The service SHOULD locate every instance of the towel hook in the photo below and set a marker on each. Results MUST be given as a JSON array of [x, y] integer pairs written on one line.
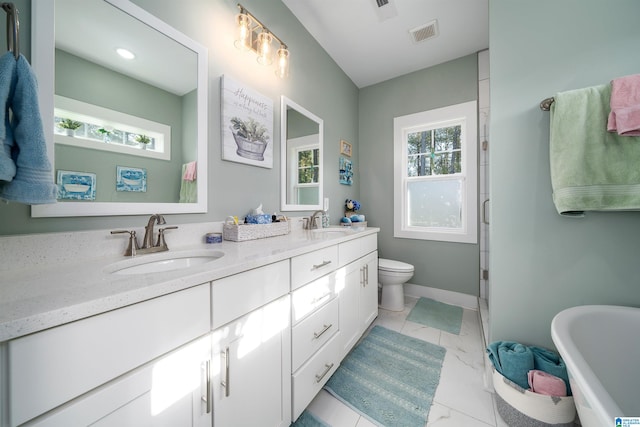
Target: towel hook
[[13, 29]]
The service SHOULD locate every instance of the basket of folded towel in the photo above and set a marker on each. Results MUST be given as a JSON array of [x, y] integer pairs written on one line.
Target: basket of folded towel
[[532, 386]]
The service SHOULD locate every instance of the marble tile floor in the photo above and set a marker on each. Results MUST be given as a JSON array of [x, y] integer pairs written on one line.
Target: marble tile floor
[[461, 398]]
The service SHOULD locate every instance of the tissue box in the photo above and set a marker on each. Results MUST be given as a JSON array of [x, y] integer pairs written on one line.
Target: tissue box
[[520, 407], [259, 219]]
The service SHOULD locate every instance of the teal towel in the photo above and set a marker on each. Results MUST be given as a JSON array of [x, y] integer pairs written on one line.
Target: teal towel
[[33, 182], [551, 363], [512, 360], [7, 83], [591, 169]]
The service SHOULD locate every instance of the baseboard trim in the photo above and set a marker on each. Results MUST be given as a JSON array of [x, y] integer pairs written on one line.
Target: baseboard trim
[[449, 297]]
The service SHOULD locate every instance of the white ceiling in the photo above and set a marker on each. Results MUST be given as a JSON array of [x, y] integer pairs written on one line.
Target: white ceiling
[[373, 44]]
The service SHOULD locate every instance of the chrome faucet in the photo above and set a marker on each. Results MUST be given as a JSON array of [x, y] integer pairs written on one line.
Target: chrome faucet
[[147, 241], [148, 246], [313, 221]]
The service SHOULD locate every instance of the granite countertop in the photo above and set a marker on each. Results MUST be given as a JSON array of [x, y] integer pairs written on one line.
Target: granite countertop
[[46, 295]]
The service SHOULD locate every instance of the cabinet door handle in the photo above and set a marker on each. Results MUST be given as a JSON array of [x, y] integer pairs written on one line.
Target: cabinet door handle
[[327, 367], [317, 266], [325, 328], [207, 394], [226, 382], [320, 298], [366, 274]]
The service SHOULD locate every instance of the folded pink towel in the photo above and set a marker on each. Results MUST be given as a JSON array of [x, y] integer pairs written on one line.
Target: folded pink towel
[[190, 172], [624, 117], [543, 383]]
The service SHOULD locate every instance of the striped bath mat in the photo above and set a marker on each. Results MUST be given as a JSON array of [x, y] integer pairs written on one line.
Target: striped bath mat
[[389, 378]]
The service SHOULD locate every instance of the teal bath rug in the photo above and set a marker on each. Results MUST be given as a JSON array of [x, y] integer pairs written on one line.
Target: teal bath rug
[[307, 419], [389, 378], [437, 315]]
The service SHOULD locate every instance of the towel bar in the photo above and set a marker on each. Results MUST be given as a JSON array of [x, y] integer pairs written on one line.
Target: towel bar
[[545, 105], [13, 25]]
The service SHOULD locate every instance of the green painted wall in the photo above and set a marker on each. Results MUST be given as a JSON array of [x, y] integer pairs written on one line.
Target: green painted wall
[[444, 265], [542, 263], [315, 82]]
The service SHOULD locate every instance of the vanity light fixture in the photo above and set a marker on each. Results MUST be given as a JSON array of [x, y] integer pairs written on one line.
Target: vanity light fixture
[[254, 35]]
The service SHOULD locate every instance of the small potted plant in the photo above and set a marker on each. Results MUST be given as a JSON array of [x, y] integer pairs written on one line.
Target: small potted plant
[[143, 140], [69, 126], [106, 133]]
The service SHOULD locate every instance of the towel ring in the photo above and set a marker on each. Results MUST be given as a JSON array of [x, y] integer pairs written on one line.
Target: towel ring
[[13, 29]]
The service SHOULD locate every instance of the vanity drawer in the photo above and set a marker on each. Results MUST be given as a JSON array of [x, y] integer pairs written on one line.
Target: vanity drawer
[[313, 375], [54, 366], [307, 299], [305, 268], [310, 334], [357, 248], [237, 295]]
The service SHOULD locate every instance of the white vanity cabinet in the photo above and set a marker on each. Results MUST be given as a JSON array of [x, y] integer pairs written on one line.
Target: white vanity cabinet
[[358, 283], [50, 368], [173, 390], [316, 325], [251, 367]]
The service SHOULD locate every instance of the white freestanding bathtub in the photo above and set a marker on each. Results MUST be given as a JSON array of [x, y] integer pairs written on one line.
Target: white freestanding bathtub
[[600, 345]]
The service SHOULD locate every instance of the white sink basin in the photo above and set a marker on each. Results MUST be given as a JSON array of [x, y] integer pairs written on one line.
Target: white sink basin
[[166, 261]]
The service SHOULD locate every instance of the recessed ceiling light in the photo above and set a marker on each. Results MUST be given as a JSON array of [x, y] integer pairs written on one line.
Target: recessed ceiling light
[[126, 54]]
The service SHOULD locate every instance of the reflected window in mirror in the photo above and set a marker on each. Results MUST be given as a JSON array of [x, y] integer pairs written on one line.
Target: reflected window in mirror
[[301, 157]]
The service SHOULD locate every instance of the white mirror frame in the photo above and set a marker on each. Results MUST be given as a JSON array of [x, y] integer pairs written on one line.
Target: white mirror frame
[[42, 59], [284, 206]]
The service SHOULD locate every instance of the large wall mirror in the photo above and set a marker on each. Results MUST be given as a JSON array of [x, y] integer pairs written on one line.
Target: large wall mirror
[[126, 136], [301, 162]]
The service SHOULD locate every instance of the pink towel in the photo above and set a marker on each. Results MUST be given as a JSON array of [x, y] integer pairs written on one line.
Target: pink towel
[[547, 384], [624, 117], [190, 172]]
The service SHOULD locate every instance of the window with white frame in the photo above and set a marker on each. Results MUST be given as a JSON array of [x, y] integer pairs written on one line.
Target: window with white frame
[[435, 174], [308, 173]]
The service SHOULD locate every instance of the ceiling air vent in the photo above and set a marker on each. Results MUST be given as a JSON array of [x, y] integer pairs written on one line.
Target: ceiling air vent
[[385, 9], [424, 32]]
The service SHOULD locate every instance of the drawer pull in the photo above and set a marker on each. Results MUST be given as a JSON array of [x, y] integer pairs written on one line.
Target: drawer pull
[[317, 266], [328, 367], [325, 328], [318, 299]]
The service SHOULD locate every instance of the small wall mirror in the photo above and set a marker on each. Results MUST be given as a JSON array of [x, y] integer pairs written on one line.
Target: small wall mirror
[[301, 157], [125, 135]]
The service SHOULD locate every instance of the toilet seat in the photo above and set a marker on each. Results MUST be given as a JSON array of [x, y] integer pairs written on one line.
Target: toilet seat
[[394, 266]]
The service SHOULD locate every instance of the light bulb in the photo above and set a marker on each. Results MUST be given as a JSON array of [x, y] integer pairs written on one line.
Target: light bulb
[[264, 48], [244, 32], [283, 62]]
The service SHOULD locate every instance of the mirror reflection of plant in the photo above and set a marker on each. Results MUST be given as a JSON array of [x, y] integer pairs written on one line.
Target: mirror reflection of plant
[[69, 124], [104, 131], [250, 129], [143, 139]]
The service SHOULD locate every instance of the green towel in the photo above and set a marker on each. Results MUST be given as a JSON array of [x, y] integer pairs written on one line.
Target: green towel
[[188, 189], [591, 169]]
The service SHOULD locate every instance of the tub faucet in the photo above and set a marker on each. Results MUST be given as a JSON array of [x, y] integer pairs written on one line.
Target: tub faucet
[[147, 241]]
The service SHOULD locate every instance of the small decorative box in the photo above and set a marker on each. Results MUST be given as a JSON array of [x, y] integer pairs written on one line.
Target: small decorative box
[[259, 219], [242, 232]]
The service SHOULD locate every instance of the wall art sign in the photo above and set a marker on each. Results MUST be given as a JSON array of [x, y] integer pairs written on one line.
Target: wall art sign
[[346, 171], [131, 179], [76, 185], [247, 124]]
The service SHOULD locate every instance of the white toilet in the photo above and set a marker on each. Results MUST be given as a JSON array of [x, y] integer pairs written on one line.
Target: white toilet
[[392, 276]]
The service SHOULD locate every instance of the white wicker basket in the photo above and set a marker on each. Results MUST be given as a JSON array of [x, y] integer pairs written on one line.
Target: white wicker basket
[[242, 232], [523, 408]]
